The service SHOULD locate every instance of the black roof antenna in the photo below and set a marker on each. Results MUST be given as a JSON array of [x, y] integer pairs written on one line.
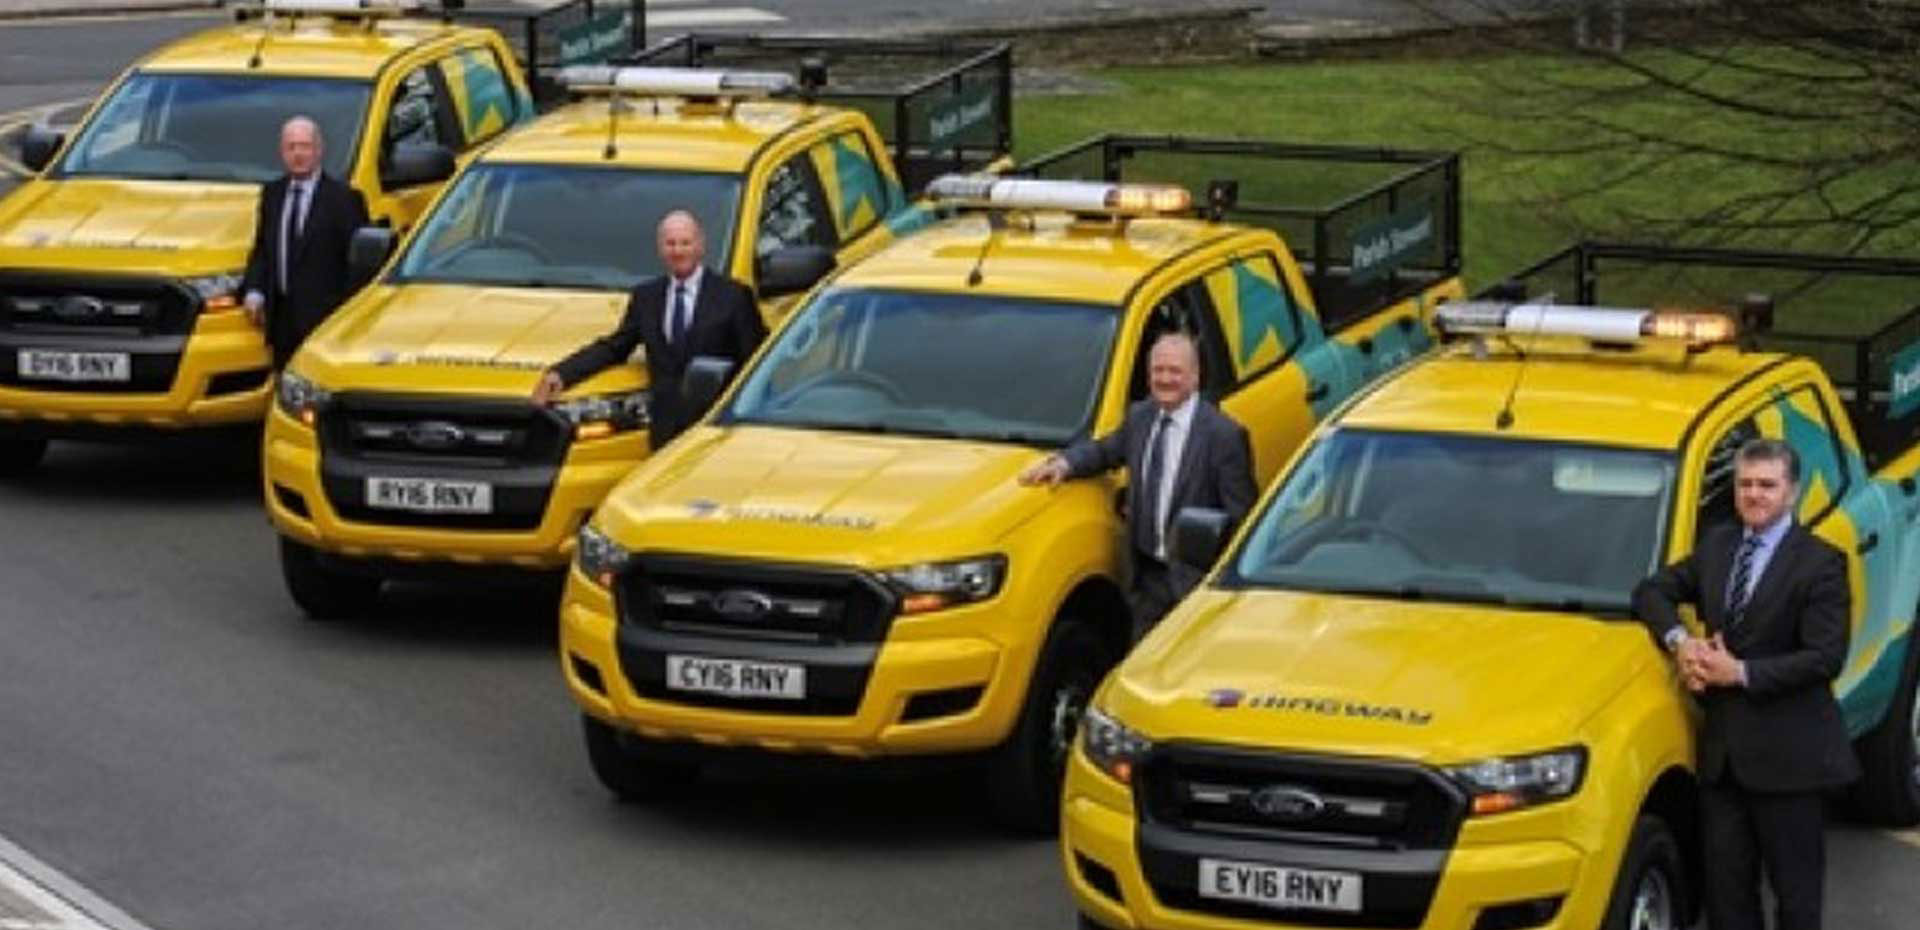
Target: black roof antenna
[[996, 221], [1504, 418], [613, 122], [266, 28]]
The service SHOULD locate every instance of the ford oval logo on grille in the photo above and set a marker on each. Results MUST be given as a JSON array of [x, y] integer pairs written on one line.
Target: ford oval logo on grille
[[1287, 803], [78, 307], [741, 605], [435, 434]]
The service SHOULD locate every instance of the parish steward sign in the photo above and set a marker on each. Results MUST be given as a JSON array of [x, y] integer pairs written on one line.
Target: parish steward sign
[[1384, 245]]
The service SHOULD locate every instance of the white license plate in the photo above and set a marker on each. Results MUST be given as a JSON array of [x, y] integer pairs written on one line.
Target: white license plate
[[430, 495], [737, 677], [1279, 886], [49, 365]]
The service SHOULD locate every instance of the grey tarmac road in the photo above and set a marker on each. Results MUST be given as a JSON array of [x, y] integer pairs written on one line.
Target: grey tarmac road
[[176, 738]]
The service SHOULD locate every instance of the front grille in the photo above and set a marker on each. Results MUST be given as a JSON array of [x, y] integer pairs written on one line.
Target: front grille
[[1248, 794], [830, 621], [148, 319], [513, 447], [756, 601], [95, 305], [1391, 823]]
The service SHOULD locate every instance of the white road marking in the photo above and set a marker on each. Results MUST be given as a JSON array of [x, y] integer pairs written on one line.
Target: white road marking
[[35, 896], [1909, 837], [712, 16]]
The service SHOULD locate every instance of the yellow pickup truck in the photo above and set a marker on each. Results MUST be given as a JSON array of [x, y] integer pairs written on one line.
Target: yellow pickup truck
[[838, 560], [119, 260], [1412, 693], [403, 443]]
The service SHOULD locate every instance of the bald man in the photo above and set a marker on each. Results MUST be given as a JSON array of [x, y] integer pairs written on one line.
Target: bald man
[[690, 311], [297, 271], [1179, 450]]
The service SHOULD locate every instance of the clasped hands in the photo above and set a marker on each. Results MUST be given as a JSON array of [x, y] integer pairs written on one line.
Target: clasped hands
[[1705, 662]]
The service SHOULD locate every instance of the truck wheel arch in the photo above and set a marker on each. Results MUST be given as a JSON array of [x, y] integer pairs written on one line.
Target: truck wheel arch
[[1674, 798]]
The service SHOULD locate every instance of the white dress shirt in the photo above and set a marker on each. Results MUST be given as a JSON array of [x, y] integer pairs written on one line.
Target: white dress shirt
[[1179, 429], [691, 284]]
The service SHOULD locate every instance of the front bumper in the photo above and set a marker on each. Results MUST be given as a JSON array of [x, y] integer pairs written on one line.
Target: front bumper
[[299, 507], [220, 376], [935, 684], [1102, 848]]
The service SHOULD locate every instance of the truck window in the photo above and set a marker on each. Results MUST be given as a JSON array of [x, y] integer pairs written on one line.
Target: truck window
[[418, 115], [483, 104], [1187, 309], [1408, 514], [1259, 319], [794, 211], [845, 166], [1799, 417], [182, 126]]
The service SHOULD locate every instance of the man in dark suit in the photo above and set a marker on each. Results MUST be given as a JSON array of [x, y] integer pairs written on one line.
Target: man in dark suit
[[1179, 451], [1775, 602], [690, 311], [297, 271]]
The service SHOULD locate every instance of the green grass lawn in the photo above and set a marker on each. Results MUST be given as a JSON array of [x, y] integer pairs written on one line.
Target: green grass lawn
[[1519, 203]]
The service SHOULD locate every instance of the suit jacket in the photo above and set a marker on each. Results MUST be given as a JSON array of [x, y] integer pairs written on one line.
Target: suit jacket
[[726, 323], [317, 279], [1216, 470], [1782, 732]]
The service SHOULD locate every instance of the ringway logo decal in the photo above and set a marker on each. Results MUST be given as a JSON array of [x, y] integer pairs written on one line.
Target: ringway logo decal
[[1229, 698]]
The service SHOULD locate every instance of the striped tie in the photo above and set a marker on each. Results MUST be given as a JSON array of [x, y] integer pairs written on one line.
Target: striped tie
[[1742, 574]]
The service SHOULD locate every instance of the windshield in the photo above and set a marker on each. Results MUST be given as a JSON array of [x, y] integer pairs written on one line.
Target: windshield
[[959, 365], [206, 127], [563, 225], [1463, 518]]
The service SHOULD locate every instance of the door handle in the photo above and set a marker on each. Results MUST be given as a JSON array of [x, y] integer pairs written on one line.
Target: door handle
[[1866, 545], [1318, 391]]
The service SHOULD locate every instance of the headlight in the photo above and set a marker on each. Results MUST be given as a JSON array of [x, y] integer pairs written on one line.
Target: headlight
[[1111, 745], [1500, 785], [939, 585], [600, 557], [604, 414], [299, 397], [216, 291]]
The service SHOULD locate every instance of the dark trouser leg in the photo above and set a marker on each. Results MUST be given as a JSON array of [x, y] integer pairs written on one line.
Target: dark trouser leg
[[1732, 857], [1793, 844], [1152, 595]]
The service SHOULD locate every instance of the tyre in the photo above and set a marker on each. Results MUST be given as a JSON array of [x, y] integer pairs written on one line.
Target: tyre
[[632, 777], [324, 593], [1027, 769], [1888, 792], [20, 456], [1650, 893]]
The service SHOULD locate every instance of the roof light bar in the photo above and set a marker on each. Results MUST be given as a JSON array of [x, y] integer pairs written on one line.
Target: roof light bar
[[1077, 196], [1602, 324], [353, 7], [676, 82]]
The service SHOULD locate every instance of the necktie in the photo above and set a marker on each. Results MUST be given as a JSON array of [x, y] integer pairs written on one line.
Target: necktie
[[677, 326], [1742, 574], [1147, 528], [292, 221]]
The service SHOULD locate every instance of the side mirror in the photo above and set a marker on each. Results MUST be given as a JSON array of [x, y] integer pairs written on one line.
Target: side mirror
[[38, 145], [366, 252], [792, 269], [1199, 533], [705, 378], [411, 165]]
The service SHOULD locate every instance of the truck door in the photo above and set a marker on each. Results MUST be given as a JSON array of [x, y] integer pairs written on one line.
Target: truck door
[[1837, 504]]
